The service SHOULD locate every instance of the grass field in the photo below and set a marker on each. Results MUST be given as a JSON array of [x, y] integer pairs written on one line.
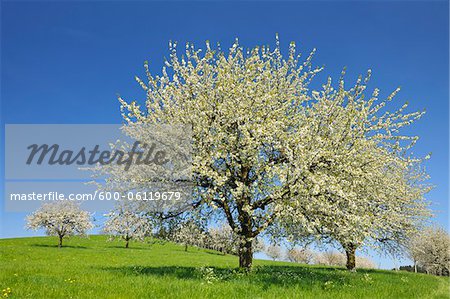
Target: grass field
[[95, 268]]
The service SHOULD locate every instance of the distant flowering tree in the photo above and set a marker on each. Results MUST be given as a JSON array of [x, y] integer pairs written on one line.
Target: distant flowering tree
[[189, 233], [274, 252], [303, 255], [330, 258], [365, 263], [258, 245], [363, 189], [430, 250], [62, 219], [223, 239], [128, 224]]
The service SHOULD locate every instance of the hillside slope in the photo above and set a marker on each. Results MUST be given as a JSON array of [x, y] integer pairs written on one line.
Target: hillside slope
[[95, 268]]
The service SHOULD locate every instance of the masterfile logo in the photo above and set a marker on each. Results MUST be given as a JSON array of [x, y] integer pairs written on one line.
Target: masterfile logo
[[97, 163]]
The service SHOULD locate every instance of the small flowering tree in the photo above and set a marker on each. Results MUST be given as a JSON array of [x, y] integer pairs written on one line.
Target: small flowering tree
[[223, 239], [330, 258], [126, 223], [430, 249], [62, 219], [274, 252], [296, 255], [365, 263], [189, 233]]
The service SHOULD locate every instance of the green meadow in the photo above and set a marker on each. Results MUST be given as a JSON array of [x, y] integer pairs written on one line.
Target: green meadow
[[95, 268]]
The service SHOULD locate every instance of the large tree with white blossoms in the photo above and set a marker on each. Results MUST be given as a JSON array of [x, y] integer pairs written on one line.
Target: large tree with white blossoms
[[331, 165], [62, 219], [247, 114], [127, 223], [363, 189]]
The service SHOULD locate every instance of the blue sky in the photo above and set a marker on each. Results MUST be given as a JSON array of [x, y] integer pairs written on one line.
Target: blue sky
[[64, 62]]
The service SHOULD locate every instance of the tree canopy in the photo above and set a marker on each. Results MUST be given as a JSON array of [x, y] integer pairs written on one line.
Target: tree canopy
[[270, 153]]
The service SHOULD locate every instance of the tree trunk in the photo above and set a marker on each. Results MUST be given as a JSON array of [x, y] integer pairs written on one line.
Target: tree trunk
[[245, 255], [185, 247], [127, 243], [350, 250], [415, 267], [60, 241]]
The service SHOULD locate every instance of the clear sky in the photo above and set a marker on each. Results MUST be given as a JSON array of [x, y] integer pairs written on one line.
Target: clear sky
[[64, 62]]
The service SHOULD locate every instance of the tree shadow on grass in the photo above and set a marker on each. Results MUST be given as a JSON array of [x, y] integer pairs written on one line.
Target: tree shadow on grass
[[56, 246], [263, 276], [129, 248], [217, 253], [170, 271]]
